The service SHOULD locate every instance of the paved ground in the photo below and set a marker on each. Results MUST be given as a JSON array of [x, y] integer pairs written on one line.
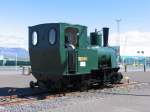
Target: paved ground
[[14, 80], [136, 99], [139, 76]]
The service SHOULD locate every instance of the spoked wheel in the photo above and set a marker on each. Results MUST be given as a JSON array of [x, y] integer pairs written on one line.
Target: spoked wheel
[[115, 79], [119, 78], [84, 86], [60, 88]]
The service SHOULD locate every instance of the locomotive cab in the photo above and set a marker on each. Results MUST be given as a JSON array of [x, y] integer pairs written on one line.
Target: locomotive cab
[[44, 50]]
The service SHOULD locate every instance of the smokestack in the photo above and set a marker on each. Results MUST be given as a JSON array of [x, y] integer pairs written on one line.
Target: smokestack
[[105, 36]]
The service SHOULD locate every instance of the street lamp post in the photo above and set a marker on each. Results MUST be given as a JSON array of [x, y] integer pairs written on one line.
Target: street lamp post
[[118, 29], [118, 38]]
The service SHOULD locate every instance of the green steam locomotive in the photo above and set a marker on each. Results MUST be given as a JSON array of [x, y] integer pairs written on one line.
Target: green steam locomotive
[[62, 55]]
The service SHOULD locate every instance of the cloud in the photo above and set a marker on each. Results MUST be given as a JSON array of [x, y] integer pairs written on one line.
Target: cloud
[[13, 42], [131, 42]]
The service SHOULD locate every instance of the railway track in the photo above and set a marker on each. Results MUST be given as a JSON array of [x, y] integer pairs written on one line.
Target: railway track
[[23, 98], [43, 95]]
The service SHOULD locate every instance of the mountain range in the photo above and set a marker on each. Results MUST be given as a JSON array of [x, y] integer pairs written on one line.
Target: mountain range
[[13, 53]]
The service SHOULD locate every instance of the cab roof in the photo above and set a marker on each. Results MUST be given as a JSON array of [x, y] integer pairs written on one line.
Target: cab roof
[[60, 23]]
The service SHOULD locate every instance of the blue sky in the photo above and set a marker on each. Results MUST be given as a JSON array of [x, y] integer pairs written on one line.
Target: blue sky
[[17, 15]]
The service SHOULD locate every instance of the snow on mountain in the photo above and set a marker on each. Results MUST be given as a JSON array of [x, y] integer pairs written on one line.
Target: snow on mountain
[[12, 53]]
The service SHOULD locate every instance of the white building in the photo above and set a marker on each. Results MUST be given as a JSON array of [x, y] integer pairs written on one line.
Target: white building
[[132, 43]]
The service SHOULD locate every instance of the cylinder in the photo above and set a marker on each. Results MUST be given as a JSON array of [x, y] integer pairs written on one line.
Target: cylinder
[[105, 36]]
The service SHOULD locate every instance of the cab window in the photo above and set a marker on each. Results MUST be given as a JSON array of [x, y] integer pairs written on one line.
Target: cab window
[[34, 38], [71, 36], [52, 36]]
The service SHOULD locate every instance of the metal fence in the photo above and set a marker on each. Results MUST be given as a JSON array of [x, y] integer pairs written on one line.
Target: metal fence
[[24, 70], [134, 68]]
